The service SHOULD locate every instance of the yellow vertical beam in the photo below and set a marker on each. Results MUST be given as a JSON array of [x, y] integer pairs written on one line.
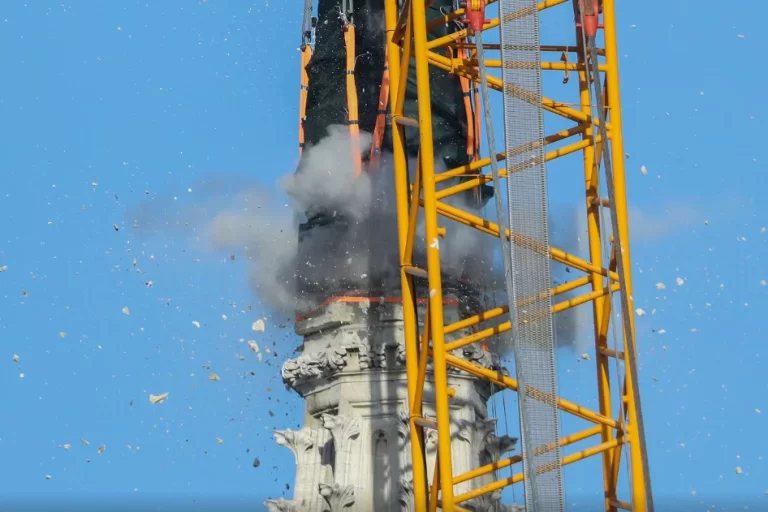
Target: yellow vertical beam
[[596, 258], [409, 300], [639, 498], [427, 168]]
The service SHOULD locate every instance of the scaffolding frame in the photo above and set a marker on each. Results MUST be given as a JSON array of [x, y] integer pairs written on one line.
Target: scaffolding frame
[[407, 27]]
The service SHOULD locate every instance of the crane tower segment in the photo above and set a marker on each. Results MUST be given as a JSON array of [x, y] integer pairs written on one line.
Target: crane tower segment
[[615, 430]]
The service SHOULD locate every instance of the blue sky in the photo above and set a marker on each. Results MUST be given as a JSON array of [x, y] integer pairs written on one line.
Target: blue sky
[[112, 108]]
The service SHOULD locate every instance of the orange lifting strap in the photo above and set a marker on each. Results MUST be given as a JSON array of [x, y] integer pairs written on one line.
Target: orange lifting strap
[[306, 55], [381, 117], [469, 89], [354, 123]]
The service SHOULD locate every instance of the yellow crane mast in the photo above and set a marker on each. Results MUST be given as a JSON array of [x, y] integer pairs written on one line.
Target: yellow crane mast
[[616, 421]]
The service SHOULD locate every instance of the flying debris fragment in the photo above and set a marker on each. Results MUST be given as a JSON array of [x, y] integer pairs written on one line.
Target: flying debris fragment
[[3, 268], [643, 170], [254, 346], [660, 286], [640, 312], [738, 470], [679, 281], [196, 323], [157, 399], [258, 325], [213, 376], [126, 311], [219, 440], [16, 358]]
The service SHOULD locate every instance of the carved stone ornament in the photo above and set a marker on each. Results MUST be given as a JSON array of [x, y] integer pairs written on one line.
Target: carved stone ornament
[[484, 503], [405, 496], [400, 357], [314, 365], [298, 442], [337, 497], [497, 446], [373, 357], [403, 428], [283, 505], [342, 428], [481, 358]]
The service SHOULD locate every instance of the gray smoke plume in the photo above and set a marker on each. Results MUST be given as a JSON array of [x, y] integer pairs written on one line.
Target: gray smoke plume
[[349, 242]]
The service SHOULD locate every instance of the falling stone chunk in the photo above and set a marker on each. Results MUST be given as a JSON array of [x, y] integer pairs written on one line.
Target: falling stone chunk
[[196, 323], [585, 356], [85, 441], [256, 462], [640, 312], [739, 470], [63, 334], [67, 446], [213, 376], [3, 268], [47, 477], [126, 311], [101, 449], [158, 399], [258, 325], [219, 440], [643, 170], [679, 281], [16, 358], [660, 286], [116, 227], [254, 346]]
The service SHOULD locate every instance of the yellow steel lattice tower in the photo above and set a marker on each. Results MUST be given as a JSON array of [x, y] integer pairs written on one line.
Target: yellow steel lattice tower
[[614, 430]]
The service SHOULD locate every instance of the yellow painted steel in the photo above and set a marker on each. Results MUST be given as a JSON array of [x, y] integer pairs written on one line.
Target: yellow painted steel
[[407, 42]]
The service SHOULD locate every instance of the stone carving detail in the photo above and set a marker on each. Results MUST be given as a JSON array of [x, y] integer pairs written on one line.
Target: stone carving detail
[[342, 428], [484, 503], [482, 358], [490, 446], [373, 357], [403, 428], [400, 357], [430, 440], [337, 497], [283, 505], [497, 446], [465, 430], [512, 508], [314, 365], [298, 442], [405, 496]]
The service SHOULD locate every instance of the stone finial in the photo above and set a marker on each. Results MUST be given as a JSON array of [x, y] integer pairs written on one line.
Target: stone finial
[[342, 428], [298, 442], [338, 497], [282, 505], [484, 503]]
